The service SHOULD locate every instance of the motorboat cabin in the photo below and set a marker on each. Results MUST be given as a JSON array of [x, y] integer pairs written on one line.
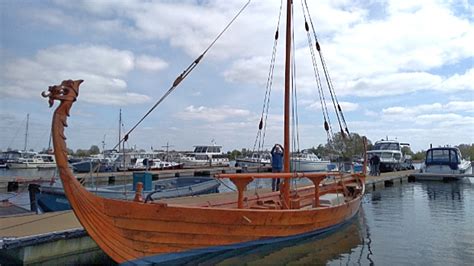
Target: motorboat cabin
[[445, 160]]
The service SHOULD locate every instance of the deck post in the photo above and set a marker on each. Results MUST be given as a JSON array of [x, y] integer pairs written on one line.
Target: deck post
[[316, 181], [138, 192], [241, 184]]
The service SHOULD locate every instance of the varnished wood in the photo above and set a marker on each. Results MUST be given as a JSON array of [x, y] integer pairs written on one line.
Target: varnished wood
[[128, 230]]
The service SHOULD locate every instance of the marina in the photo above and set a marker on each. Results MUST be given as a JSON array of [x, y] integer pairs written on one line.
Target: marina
[[62, 230], [296, 133]]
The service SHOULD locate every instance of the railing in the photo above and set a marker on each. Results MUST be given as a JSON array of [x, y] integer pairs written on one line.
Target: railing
[[241, 181]]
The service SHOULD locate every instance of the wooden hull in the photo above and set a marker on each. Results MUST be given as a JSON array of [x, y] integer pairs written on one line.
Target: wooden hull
[[130, 230]]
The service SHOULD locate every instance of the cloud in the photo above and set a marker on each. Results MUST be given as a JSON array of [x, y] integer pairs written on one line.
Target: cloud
[[346, 106], [409, 112], [103, 68], [210, 114], [149, 63]]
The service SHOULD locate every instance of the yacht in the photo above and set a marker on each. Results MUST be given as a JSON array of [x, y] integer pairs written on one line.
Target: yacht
[[37, 161], [306, 161], [152, 161], [390, 154], [255, 159], [205, 156], [444, 163]]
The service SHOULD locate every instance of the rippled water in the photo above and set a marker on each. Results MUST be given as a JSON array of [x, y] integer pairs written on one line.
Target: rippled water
[[429, 223], [421, 223]]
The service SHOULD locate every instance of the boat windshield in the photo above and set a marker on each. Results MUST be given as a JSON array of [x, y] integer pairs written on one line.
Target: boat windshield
[[441, 156], [393, 146]]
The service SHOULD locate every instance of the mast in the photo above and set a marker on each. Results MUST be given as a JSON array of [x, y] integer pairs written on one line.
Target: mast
[[286, 154], [120, 132], [26, 132]]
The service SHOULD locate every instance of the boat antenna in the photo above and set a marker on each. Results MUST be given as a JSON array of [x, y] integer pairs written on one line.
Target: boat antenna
[[183, 75], [26, 132]]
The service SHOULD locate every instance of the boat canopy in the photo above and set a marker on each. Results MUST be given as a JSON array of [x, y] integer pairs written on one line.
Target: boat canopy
[[443, 156]]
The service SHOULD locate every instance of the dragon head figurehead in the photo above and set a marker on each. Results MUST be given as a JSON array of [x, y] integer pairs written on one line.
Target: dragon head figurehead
[[68, 90]]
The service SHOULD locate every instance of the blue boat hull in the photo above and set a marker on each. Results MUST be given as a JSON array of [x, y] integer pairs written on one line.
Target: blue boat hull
[[51, 200]]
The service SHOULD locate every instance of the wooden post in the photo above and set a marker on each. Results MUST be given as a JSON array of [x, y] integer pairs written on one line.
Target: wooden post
[[286, 154], [241, 184], [316, 181], [138, 192]]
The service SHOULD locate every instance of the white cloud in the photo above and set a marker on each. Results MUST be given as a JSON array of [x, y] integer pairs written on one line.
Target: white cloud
[[149, 63], [102, 68], [346, 106], [410, 112], [389, 54], [210, 114]]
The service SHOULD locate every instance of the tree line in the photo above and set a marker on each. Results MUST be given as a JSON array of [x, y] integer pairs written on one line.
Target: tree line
[[348, 149]]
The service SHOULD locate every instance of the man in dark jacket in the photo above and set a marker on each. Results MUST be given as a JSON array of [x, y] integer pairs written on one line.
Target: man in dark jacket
[[376, 162], [277, 165]]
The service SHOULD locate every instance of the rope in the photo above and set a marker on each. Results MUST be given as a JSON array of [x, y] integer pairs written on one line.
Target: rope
[[183, 75], [322, 98], [337, 106], [268, 88], [16, 133], [262, 126]]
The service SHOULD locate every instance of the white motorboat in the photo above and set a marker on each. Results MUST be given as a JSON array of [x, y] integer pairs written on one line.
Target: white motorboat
[[390, 155], [444, 163], [37, 161], [256, 159], [205, 156], [306, 161], [153, 164]]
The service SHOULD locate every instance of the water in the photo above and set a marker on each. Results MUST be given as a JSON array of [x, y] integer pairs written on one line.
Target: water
[[427, 223]]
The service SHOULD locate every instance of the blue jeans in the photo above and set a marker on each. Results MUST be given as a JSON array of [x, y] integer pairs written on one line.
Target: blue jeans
[[276, 181]]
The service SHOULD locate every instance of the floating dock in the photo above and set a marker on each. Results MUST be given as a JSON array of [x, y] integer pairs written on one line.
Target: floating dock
[[112, 178], [58, 237]]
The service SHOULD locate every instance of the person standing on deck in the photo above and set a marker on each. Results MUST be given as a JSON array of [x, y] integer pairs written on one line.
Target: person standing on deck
[[277, 165], [376, 164], [372, 166]]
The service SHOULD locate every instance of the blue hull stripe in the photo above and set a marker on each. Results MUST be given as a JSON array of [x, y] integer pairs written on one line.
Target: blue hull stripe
[[177, 258]]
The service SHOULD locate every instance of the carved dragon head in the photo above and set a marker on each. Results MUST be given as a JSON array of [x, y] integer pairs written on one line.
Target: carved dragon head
[[68, 90]]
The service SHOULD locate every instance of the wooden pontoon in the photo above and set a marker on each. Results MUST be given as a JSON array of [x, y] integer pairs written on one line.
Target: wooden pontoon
[[128, 230]]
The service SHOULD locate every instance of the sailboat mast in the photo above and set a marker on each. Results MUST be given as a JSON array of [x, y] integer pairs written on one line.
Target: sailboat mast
[[26, 132], [286, 155], [120, 128]]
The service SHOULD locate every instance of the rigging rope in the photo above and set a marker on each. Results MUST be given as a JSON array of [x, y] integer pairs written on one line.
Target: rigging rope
[[261, 133], [322, 97], [337, 106], [295, 135], [183, 75]]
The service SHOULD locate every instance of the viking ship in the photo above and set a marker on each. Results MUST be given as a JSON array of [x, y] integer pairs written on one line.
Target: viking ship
[[129, 230]]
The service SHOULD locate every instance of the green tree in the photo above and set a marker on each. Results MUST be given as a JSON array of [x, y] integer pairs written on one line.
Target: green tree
[[407, 150], [82, 153], [94, 149], [70, 151], [419, 156], [347, 148], [467, 151], [234, 154]]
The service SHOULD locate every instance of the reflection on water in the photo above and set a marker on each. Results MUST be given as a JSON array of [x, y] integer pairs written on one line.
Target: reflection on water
[[427, 223], [417, 223]]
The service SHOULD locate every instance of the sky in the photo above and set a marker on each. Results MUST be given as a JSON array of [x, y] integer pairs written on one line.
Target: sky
[[401, 69]]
